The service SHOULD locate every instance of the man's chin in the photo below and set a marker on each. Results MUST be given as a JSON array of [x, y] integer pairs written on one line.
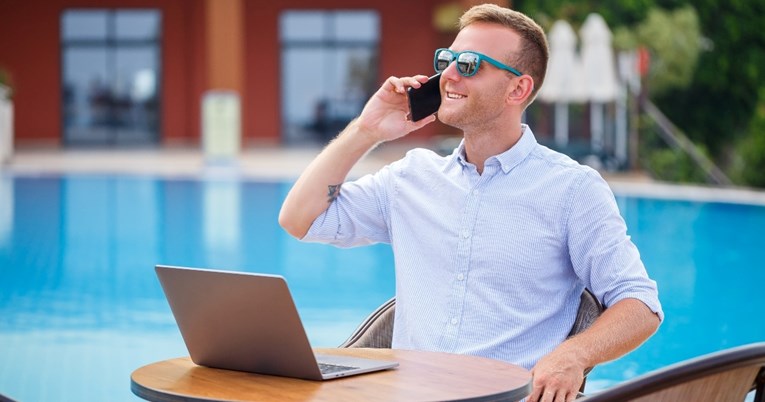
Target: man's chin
[[448, 117]]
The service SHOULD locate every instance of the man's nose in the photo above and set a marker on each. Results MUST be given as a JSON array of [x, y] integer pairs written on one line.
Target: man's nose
[[451, 73]]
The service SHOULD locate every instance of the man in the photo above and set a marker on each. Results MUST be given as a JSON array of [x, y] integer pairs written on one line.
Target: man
[[494, 243]]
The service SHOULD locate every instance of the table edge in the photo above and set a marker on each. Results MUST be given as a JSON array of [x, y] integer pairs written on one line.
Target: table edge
[[150, 394]]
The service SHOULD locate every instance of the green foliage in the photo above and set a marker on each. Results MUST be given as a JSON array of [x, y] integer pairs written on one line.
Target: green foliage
[[716, 109], [711, 98], [673, 36], [625, 38], [621, 12], [674, 39], [752, 151], [666, 163], [675, 42], [750, 169], [675, 166], [617, 13]]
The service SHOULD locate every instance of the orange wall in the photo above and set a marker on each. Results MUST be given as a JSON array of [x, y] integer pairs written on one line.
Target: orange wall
[[29, 50], [183, 71], [225, 44]]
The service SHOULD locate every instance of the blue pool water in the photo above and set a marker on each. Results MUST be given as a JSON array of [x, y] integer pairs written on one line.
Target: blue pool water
[[80, 306]]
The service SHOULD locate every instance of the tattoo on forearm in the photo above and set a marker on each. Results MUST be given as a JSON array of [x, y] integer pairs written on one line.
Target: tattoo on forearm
[[333, 192]]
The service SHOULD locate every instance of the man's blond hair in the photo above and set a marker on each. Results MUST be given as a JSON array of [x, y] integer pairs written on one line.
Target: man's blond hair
[[534, 53]]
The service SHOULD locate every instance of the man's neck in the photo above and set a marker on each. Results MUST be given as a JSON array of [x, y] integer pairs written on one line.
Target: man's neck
[[482, 145]]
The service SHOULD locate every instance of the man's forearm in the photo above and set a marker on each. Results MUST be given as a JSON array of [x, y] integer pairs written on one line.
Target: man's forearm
[[621, 328], [320, 183], [382, 119]]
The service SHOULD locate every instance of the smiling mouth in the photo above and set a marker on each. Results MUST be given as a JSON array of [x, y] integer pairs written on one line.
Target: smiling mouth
[[452, 95]]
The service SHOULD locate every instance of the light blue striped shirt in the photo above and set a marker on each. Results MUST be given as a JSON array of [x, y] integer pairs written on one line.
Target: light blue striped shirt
[[491, 264]]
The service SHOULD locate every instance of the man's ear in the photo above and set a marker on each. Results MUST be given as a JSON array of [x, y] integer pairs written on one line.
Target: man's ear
[[521, 90]]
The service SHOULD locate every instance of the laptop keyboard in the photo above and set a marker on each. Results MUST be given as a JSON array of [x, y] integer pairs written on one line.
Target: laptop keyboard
[[327, 368]]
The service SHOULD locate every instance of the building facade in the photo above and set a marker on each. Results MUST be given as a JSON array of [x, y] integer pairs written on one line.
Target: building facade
[[137, 72]]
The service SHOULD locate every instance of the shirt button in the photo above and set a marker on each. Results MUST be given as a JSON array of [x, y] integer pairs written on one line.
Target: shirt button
[[454, 321], [460, 277], [476, 193], [466, 234]]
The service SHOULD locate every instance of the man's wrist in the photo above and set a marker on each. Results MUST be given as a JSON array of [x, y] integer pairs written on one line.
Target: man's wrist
[[580, 354], [364, 136]]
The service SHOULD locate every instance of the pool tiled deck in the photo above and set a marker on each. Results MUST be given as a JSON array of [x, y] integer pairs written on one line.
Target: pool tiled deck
[[284, 163]]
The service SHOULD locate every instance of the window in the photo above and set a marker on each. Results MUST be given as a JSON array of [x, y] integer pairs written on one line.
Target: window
[[329, 70], [110, 76]]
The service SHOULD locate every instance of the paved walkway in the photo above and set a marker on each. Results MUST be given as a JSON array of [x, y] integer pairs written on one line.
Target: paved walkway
[[278, 163], [271, 163]]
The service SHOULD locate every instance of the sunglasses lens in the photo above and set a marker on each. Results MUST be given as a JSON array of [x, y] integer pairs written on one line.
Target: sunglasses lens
[[467, 64], [443, 59]]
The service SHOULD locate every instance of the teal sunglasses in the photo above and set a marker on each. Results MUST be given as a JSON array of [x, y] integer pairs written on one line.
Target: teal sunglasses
[[467, 62]]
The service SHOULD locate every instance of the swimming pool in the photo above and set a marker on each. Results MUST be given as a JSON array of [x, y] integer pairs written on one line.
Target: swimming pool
[[80, 306]]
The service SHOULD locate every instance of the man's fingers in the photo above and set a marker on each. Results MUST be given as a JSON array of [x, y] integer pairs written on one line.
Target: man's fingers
[[567, 396], [415, 81], [394, 84], [548, 396], [535, 394], [420, 79], [550, 390], [399, 84], [416, 125]]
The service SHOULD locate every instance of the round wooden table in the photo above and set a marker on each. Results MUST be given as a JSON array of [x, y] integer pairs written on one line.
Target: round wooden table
[[420, 376]]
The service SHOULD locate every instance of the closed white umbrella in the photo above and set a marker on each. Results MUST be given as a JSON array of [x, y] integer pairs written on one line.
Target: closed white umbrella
[[598, 60], [600, 72], [563, 82]]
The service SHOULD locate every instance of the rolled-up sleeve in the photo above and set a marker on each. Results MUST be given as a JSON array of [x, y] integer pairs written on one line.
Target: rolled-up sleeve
[[359, 216], [602, 254]]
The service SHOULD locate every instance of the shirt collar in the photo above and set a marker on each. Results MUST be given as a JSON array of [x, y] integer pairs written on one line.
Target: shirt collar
[[508, 159]]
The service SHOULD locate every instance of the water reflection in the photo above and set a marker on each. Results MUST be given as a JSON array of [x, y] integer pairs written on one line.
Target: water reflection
[[6, 209], [222, 220]]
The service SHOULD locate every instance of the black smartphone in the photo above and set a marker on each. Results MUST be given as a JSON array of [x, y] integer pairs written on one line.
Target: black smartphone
[[426, 99]]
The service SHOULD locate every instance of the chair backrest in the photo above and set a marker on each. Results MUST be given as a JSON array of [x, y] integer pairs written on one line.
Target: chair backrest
[[589, 311], [725, 376], [4, 398], [376, 331]]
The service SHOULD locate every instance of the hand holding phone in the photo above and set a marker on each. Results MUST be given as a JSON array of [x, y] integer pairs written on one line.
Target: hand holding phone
[[425, 100]]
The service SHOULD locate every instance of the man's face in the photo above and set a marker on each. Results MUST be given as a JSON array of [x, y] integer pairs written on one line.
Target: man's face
[[469, 102]]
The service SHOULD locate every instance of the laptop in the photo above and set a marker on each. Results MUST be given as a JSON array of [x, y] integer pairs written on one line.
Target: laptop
[[248, 322]]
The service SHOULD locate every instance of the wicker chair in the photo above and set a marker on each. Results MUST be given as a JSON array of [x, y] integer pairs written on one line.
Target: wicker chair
[[376, 330], [4, 398], [726, 376]]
